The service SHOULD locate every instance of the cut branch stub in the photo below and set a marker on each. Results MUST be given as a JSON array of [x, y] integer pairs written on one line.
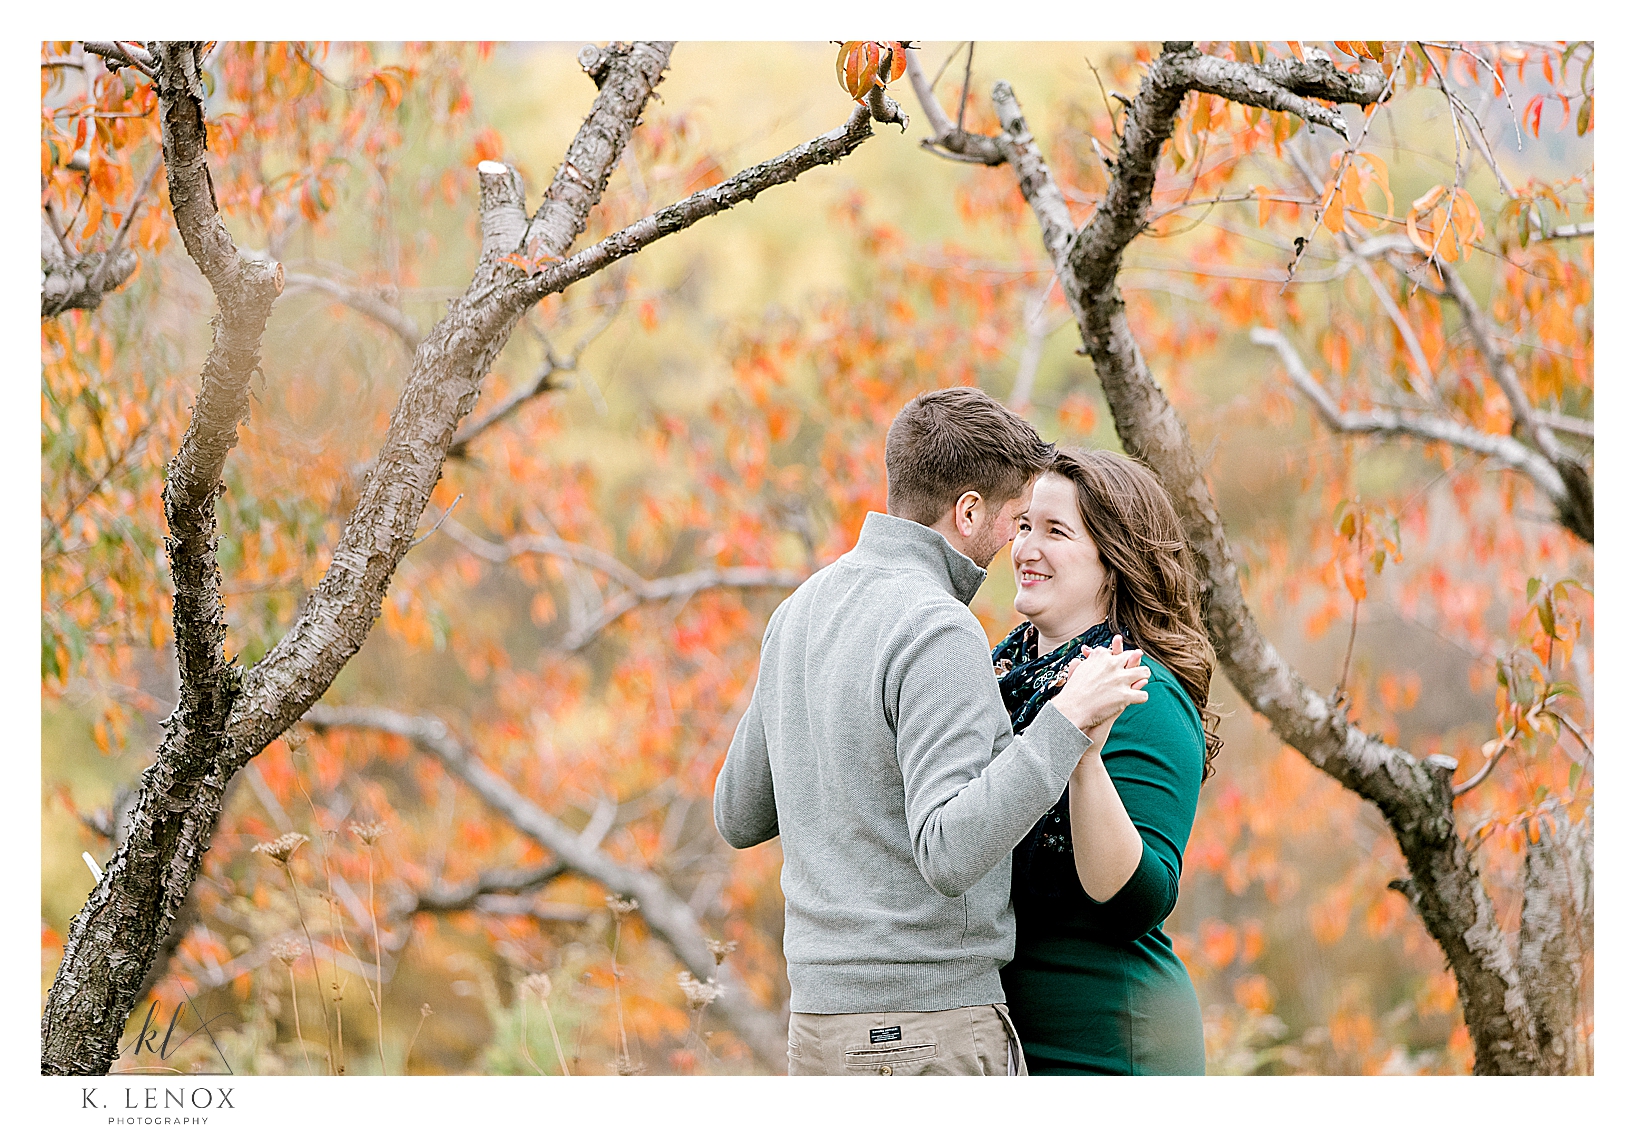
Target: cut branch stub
[[500, 208]]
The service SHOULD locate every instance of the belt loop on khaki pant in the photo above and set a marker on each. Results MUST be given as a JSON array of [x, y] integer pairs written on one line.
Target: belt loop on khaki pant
[[1015, 1064]]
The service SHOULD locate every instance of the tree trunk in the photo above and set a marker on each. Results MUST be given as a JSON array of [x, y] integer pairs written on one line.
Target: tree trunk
[[1510, 1013]]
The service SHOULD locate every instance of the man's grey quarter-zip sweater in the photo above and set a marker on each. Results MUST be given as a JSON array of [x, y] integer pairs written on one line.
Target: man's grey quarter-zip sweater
[[877, 746]]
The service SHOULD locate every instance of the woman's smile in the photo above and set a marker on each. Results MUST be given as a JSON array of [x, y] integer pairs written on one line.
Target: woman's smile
[[1060, 580]]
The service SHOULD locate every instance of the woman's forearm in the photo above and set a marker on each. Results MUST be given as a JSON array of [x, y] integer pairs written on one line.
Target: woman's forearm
[[1106, 846]]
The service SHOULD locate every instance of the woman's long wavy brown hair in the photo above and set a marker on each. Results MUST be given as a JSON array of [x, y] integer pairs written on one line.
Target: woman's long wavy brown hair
[[1156, 598]]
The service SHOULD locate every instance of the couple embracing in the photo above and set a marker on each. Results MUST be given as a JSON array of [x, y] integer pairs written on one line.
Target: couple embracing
[[980, 847]]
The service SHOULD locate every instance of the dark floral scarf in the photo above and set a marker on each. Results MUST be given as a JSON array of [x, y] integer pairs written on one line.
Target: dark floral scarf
[[1042, 865], [1026, 681]]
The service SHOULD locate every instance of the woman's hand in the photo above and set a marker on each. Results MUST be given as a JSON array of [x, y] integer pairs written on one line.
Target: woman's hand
[[1101, 683], [1098, 734]]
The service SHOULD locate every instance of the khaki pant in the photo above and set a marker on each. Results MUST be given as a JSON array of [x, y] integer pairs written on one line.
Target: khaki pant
[[977, 1040]]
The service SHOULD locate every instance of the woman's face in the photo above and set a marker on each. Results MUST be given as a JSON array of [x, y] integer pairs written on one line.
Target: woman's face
[[1059, 574]]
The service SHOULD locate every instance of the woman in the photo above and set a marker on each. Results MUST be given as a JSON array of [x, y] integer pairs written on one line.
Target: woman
[[1095, 987]]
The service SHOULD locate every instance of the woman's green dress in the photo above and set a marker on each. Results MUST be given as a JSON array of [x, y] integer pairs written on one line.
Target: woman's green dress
[[1096, 988]]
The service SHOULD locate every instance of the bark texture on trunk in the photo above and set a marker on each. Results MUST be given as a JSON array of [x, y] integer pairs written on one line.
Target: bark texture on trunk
[[120, 931]]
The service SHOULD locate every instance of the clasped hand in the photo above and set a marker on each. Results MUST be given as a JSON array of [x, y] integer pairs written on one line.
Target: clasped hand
[[1101, 683]]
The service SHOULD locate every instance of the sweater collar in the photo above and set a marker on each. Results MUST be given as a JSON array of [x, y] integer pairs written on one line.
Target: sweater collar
[[893, 541]]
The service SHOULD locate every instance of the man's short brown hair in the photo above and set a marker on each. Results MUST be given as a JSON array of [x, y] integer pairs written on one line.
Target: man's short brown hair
[[946, 443]]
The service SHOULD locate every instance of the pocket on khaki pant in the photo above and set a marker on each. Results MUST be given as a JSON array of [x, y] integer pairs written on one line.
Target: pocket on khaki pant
[[900, 1059]]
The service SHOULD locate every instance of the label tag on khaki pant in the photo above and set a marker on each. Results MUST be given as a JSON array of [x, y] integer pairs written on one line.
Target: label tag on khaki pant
[[882, 1035]]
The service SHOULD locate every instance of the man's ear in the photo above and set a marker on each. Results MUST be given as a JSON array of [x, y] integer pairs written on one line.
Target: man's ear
[[965, 512]]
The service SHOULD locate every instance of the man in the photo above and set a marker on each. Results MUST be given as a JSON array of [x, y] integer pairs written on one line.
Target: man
[[877, 746]]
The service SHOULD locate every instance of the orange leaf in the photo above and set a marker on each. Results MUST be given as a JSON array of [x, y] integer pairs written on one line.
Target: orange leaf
[[1428, 200], [899, 58], [856, 67], [488, 145], [1220, 942], [1334, 215], [1254, 992], [1415, 213], [1535, 110], [1380, 173]]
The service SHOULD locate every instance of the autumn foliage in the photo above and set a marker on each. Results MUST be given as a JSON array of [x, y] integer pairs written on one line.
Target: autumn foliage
[[685, 432]]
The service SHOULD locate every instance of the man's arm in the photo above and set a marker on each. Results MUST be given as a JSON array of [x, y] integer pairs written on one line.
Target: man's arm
[[966, 807], [745, 812]]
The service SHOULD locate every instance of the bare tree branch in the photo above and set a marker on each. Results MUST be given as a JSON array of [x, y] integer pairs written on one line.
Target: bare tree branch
[[1569, 230], [1566, 483], [69, 282], [1033, 346], [1405, 331], [443, 898], [544, 545], [1278, 84], [544, 381], [670, 918], [628, 73], [1575, 500], [679, 588], [66, 282], [1566, 424], [946, 138], [1432, 428], [1469, 784], [745, 186], [636, 590], [371, 303], [128, 53], [97, 281]]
